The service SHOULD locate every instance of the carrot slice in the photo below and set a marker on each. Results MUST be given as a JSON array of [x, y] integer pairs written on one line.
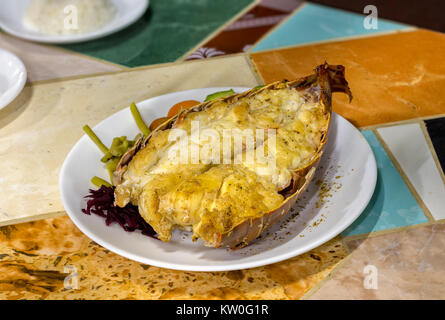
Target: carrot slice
[[157, 122], [187, 104]]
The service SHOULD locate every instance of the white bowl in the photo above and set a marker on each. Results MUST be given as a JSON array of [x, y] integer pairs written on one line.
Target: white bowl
[[13, 11]]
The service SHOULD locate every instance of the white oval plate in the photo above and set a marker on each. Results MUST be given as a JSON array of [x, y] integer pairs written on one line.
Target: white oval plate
[[12, 77], [12, 12], [348, 165]]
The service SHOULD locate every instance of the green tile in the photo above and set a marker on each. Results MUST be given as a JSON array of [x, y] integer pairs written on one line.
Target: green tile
[[167, 31]]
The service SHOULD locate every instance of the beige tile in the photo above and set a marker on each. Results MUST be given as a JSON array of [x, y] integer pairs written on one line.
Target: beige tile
[[39, 128], [45, 62], [410, 265]]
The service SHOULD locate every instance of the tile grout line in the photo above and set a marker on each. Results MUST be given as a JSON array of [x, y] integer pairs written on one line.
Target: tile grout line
[[254, 65], [129, 70], [278, 25], [432, 150], [92, 75], [71, 78], [85, 56], [379, 233], [405, 178], [254, 70], [27, 219], [54, 47], [218, 30], [402, 122], [341, 39], [329, 276]]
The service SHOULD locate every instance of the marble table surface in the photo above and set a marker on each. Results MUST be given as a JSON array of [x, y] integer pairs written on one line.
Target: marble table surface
[[393, 251]]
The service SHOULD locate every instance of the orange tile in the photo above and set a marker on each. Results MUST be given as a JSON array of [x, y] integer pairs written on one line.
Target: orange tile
[[393, 77]]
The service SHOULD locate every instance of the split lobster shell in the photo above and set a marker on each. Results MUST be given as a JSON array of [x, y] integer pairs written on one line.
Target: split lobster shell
[[318, 88]]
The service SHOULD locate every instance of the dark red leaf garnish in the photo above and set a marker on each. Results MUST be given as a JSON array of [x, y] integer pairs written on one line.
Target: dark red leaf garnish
[[101, 203]]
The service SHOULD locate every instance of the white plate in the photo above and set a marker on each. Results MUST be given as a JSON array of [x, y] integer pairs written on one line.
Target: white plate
[[348, 164], [12, 12], [12, 77]]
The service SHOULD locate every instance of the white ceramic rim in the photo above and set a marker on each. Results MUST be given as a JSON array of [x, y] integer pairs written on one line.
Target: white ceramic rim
[[13, 90], [67, 39]]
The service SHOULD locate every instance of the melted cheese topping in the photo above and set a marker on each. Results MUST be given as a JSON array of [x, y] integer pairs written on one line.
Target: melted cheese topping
[[212, 197]]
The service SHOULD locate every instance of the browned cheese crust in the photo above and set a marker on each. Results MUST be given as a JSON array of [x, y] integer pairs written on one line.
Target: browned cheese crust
[[318, 88]]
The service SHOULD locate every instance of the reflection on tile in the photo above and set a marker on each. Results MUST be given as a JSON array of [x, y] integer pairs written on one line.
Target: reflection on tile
[[41, 255], [409, 265], [39, 128], [393, 77], [43, 62], [392, 205], [245, 31], [436, 131], [408, 145], [316, 23], [167, 31]]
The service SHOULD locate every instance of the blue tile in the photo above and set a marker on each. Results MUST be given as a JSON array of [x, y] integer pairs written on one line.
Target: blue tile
[[392, 205], [316, 23]]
